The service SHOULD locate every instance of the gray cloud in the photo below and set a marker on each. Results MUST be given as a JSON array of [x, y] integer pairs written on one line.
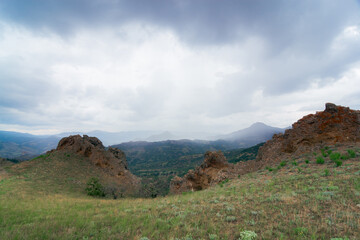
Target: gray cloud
[[84, 75]]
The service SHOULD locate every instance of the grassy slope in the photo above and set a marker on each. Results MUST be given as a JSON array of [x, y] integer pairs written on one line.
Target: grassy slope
[[293, 202]]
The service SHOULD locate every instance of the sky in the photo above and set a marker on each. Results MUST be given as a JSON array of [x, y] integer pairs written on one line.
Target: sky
[[174, 65]]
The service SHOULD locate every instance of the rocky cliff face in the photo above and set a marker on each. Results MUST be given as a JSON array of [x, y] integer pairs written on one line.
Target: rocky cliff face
[[214, 169], [334, 125], [112, 161]]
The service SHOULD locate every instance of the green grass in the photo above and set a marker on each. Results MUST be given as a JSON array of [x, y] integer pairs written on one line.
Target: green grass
[[281, 205]]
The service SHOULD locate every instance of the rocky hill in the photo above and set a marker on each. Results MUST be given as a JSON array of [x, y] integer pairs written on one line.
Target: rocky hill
[[335, 125], [112, 160]]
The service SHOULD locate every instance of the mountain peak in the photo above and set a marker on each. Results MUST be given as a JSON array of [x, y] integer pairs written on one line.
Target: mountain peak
[[258, 124]]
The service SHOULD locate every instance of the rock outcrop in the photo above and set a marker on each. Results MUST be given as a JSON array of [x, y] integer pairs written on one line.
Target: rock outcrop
[[112, 161], [213, 170], [334, 125]]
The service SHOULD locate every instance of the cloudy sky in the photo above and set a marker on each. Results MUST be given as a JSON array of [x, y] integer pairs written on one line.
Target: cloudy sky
[[177, 65]]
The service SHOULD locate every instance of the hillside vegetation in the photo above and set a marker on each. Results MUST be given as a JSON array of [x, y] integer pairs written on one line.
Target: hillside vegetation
[[295, 199]]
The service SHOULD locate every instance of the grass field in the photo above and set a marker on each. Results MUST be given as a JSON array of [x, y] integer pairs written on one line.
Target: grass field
[[293, 200]]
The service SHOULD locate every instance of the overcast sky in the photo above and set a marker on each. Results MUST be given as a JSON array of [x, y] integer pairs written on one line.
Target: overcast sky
[[177, 65]]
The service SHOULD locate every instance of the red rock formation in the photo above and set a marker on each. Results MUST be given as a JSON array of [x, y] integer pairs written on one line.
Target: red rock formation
[[214, 169], [112, 161], [336, 124]]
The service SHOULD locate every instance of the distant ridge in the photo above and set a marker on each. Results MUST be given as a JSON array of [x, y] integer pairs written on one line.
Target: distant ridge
[[255, 134]]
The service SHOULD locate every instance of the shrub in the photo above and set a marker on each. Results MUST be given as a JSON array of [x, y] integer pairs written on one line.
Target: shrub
[[294, 163], [230, 219], [326, 172], [320, 160], [283, 163], [351, 153], [345, 157], [335, 156], [307, 161], [338, 163], [247, 235], [94, 188]]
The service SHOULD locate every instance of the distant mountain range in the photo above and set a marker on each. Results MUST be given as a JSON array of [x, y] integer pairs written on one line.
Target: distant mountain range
[[23, 146], [256, 133]]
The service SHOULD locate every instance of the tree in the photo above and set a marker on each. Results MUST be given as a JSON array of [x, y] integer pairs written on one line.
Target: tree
[[94, 188]]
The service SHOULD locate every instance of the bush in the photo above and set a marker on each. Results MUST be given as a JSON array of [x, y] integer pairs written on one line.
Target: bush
[[345, 157], [351, 153], [247, 235], [294, 163], [326, 172], [335, 156], [320, 160], [307, 161], [338, 163], [283, 163], [94, 188]]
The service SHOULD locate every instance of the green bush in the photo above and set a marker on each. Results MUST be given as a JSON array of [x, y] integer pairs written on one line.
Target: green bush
[[307, 161], [283, 163], [338, 163], [320, 160], [326, 172], [351, 153], [294, 163], [335, 156], [94, 188]]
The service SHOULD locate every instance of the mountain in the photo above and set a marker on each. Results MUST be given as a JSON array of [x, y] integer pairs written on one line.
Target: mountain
[[23, 146], [255, 134]]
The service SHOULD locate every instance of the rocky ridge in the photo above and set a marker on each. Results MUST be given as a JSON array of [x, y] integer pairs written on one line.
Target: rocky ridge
[[112, 161], [334, 125]]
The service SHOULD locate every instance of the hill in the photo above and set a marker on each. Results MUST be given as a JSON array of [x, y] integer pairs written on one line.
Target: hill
[[74, 162], [255, 134], [24, 146], [302, 201]]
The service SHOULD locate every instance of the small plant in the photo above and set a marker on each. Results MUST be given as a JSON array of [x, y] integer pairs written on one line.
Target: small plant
[[94, 188], [329, 152], [320, 160], [323, 153], [301, 231], [338, 163], [344, 157], [326, 172], [335, 156], [294, 163], [144, 238], [270, 169], [230, 219], [247, 235], [213, 236], [283, 163], [351, 153], [307, 161]]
